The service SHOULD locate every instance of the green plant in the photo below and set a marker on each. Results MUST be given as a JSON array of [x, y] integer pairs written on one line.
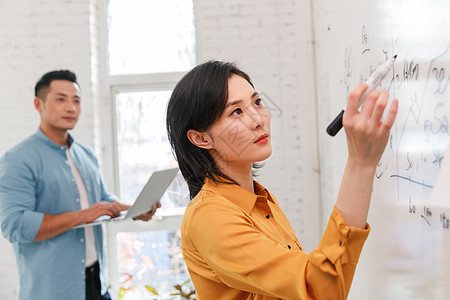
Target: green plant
[[180, 291]]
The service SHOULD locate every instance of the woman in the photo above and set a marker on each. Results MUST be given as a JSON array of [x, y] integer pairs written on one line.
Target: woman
[[235, 239]]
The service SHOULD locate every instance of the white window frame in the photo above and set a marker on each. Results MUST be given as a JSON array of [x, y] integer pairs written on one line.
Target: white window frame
[[133, 83], [108, 90]]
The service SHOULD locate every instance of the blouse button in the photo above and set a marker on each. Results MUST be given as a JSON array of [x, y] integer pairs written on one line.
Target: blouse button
[[267, 216]]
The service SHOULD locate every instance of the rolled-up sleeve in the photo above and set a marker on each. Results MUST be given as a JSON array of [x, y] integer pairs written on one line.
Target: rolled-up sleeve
[[19, 221], [337, 255]]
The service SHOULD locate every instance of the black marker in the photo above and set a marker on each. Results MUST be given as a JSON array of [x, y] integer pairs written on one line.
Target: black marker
[[373, 81]]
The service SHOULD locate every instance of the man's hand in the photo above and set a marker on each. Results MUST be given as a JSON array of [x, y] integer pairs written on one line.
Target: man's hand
[[102, 208], [148, 215]]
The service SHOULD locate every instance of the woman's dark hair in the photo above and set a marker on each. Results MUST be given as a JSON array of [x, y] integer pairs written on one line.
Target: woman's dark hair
[[197, 101]]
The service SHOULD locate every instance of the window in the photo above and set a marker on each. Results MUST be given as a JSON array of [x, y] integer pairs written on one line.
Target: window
[[151, 44], [144, 147], [150, 262], [150, 36]]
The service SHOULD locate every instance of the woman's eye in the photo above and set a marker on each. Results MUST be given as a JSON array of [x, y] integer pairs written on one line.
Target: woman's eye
[[237, 111], [258, 102]]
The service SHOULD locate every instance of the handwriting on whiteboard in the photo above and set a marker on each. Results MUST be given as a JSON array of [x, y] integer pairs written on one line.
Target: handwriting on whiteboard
[[421, 134]]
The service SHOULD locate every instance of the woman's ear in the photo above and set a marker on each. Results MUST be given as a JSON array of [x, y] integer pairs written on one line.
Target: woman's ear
[[200, 139]]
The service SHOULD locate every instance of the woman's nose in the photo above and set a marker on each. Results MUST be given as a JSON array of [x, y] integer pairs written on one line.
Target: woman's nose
[[256, 120]]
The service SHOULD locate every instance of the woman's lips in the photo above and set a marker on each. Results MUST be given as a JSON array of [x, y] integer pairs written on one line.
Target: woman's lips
[[262, 139]]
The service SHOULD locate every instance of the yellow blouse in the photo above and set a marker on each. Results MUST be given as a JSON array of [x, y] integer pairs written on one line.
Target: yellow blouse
[[239, 245]]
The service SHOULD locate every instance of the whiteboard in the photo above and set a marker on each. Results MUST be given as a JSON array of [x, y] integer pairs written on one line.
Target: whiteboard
[[407, 254]]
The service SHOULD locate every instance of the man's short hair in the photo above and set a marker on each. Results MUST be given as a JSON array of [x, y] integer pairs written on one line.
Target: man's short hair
[[43, 85]]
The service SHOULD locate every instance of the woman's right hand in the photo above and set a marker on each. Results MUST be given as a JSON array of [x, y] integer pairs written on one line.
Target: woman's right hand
[[367, 134]]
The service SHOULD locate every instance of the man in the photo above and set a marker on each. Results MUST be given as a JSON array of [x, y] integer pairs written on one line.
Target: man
[[50, 183]]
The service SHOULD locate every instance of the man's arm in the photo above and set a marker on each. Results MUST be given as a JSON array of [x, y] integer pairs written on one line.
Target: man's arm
[[53, 225]]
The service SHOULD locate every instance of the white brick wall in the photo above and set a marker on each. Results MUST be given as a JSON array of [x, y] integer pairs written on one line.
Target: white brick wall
[[270, 40]]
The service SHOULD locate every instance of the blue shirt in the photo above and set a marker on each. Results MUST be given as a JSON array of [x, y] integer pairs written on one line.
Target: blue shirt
[[35, 179]]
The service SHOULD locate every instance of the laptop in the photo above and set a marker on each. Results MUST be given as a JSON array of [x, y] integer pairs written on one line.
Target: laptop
[[152, 192]]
